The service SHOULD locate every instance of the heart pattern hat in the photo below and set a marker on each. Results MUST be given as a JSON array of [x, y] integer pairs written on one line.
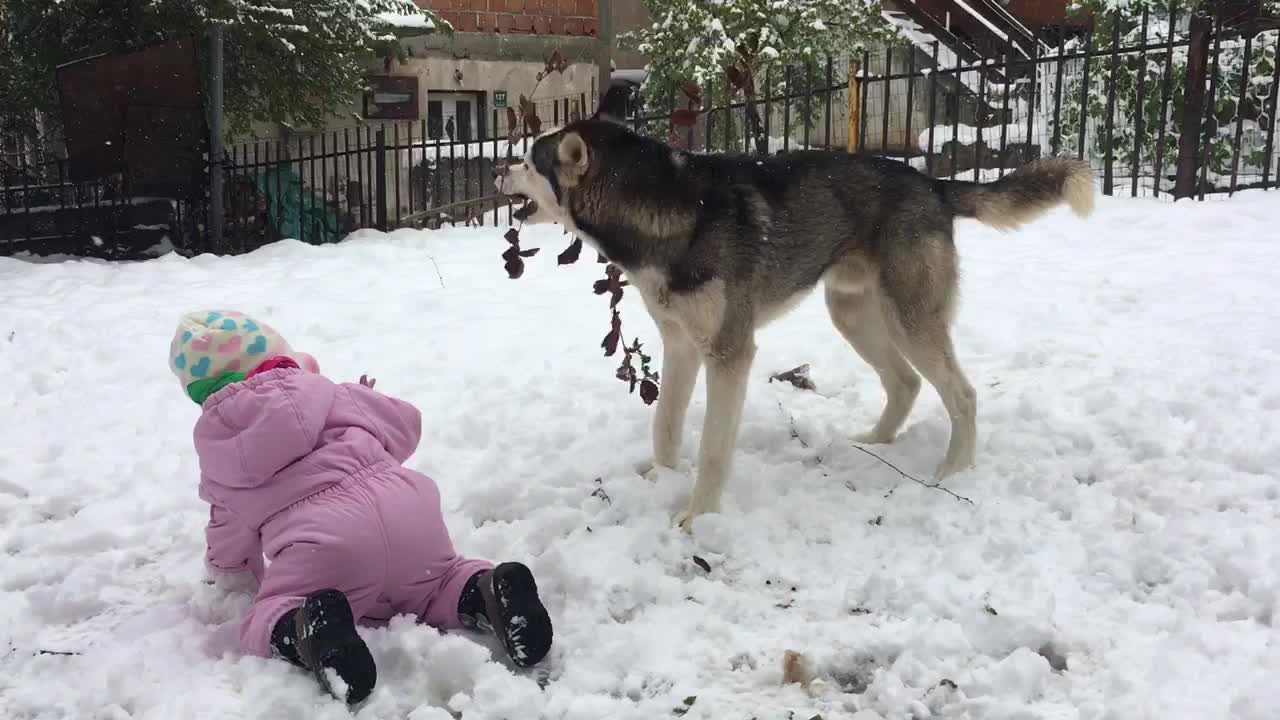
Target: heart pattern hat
[[212, 348]]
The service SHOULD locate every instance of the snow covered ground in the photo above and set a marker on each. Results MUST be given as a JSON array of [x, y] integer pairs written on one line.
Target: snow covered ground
[[1121, 558]]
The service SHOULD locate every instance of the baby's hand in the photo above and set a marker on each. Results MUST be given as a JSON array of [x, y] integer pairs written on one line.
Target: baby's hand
[[233, 582], [367, 381]]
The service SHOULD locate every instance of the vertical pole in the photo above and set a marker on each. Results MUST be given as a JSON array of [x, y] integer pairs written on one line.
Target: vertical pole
[[979, 126], [768, 104], [1164, 98], [380, 176], [1271, 120], [1193, 105], [1084, 95], [1057, 98], [1141, 109], [827, 120], [1211, 126], [884, 120], [851, 142], [933, 103], [1032, 140], [786, 108], [604, 47], [911, 86], [1108, 177], [808, 101], [215, 138], [1244, 92], [864, 90], [1006, 118]]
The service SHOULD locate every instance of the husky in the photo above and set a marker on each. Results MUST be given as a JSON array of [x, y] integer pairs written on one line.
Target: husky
[[719, 245]]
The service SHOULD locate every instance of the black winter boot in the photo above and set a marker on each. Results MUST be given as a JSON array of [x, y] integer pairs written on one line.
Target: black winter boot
[[505, 601], [321, 636]]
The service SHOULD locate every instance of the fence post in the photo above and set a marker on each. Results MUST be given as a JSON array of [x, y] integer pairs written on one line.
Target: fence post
[[215, 138], [852, 141], [1271, 117], [1164, 98], [1108, 176], [1244, 92], [1193, 106], [1211, 123], [380, 176]]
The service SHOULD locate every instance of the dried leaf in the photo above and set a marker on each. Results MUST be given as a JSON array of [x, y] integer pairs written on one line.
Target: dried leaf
[[601, 259], [798, 376], [610, 284], [534, 123], [692, 91], [514, 265], [610, 342], [512, 119], [512, 236], [648, 391], [706, 567], [684, 118], [570, 254]]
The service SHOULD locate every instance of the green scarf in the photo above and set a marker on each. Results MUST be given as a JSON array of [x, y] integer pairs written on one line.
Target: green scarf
[[200, 390]]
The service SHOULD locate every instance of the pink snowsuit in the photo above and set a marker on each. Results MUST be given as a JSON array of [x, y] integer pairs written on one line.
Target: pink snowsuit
[[310, 472]]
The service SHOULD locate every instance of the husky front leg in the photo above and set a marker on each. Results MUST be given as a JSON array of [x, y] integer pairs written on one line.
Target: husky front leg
[[680, 364], [727, 375]]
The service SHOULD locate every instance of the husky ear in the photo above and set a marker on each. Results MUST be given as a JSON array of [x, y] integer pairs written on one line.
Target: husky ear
[[573, 158]]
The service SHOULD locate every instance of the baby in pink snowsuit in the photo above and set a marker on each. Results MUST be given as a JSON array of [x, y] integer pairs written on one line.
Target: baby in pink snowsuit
[[310, 472]]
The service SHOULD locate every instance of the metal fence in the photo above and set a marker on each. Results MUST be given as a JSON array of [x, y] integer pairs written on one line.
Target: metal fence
[[44, 212], [1115, 98], [1118, 104]]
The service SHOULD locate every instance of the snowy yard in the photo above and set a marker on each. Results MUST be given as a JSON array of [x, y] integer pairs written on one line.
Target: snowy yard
[[1121, 558]]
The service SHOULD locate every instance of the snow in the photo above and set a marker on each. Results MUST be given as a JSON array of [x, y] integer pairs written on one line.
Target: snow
[[1013, 133], [1120, 559], [413, 22]]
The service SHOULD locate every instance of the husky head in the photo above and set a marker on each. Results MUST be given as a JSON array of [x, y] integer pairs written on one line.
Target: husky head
[[556, 162], [596, 156]]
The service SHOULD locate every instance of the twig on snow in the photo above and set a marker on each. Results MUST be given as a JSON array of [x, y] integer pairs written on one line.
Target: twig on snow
[[795, 434], [437, 267], [936, 486], [912, 478]]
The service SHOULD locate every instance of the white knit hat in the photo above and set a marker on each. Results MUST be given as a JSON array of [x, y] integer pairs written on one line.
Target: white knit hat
[[211, 343]]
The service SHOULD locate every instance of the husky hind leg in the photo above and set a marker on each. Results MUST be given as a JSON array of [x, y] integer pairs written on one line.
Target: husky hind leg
[[860, 320]]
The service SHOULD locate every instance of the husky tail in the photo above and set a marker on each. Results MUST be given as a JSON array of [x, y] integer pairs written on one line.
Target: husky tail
[[1024, 194]]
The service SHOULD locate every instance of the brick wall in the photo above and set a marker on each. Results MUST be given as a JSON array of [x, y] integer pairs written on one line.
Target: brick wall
[[533, 17]]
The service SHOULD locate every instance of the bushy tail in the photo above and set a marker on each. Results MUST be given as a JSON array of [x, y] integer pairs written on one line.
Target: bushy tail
[[1024, 194]]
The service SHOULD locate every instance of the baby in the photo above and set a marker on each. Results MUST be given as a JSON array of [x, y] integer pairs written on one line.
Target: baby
[[310, 472]]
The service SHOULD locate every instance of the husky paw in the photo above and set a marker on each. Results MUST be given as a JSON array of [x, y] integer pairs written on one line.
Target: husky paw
[[871, 437], [684, 519], [950, 467], [651, 470]]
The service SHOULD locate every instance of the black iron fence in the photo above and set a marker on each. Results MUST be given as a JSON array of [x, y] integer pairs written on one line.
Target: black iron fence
[[44, 212], [1117, 97]]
